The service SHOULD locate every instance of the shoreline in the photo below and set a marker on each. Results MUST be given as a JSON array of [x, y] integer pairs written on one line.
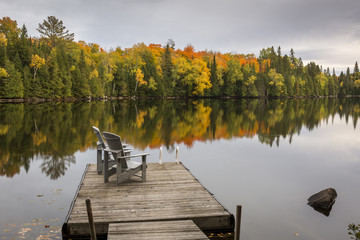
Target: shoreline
[[90, 99]]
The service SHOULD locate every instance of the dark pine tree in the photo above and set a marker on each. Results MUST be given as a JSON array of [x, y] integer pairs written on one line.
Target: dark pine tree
[[167, 69], [214, 79]]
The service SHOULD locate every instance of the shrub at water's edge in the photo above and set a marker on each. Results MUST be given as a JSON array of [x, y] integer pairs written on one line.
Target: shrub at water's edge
[[354, 231]]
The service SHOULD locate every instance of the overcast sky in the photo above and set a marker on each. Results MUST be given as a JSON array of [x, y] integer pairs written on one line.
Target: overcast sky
[[324, 31]]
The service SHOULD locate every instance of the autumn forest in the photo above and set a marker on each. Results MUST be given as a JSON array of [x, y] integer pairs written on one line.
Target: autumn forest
[[54, 66]]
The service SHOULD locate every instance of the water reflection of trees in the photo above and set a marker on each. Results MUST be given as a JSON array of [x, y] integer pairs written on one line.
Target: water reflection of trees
[[53, 132], [55, 167]]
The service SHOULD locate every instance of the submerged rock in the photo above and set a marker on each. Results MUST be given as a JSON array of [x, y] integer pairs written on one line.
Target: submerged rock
[[323, 201]]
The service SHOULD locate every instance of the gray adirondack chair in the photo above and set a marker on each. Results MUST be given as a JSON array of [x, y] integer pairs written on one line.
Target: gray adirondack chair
[[125, 167], [101, 146]]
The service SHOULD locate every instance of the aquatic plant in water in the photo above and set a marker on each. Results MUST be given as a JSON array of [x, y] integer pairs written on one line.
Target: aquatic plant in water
[[354, 231]]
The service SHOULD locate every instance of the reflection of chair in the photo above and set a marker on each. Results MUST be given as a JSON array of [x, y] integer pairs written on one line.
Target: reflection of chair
[[125, 168]]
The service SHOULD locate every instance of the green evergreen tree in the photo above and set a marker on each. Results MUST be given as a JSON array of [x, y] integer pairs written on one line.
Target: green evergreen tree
[[56, 86], [331, 86], [24, 47], [27, 80], [43, 78], [12, 84], [3, 55], [292, 56], [296, 89], [17, 62], [309, 86], [342, 84], [64, 71], [336, 82], [81, 87], [280, 66], [167, 70], [356, 68], [54, 31], [349, 82], [215, 88], [120, 83]]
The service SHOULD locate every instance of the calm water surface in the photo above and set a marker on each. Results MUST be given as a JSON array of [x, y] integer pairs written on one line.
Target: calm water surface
[[268, 156]]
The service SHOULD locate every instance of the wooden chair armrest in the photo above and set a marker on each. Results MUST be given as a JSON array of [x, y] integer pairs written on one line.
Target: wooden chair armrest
[[112, 151], [136, 155], [117, 151]]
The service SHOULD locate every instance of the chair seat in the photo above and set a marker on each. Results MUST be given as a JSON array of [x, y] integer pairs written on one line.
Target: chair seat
[[132, 164]]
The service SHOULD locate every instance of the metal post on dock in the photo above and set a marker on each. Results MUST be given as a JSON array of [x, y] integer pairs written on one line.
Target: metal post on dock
[[91, 220], [177, 155], [160, 156], [238, 222]]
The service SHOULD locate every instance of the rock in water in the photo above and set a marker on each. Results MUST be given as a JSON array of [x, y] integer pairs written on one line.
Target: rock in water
[[323, 201]]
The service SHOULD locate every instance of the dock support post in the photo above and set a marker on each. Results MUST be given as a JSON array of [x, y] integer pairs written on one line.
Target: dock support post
[[91, 220], [238, 222]]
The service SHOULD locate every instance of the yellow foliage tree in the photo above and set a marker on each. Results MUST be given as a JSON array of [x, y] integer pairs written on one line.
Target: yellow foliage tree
[[3, 72], [201, 76], [356, 83], [139, 76], [3, 39], [36, 63]]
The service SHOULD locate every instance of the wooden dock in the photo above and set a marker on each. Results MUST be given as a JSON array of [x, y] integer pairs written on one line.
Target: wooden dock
[[174, 230], [170, 193]]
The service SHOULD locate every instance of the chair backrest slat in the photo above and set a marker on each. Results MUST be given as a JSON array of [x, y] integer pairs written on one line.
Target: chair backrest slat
[[99, 137], [114, 143]]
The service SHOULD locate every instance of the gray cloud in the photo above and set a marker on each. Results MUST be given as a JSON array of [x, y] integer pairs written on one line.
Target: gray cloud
[[318, 30]]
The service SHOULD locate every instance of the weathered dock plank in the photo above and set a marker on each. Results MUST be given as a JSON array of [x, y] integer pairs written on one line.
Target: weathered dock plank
[[170, 193], [175, 230]]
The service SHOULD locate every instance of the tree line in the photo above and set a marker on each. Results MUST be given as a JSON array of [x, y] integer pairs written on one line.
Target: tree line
[[54, 66]]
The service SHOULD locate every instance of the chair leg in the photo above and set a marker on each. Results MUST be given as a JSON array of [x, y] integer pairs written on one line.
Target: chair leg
[[118, 170], [143, 167], [99, 161], [106, 167]]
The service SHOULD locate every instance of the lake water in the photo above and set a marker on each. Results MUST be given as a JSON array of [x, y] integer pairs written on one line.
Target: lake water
[[268, 156]]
